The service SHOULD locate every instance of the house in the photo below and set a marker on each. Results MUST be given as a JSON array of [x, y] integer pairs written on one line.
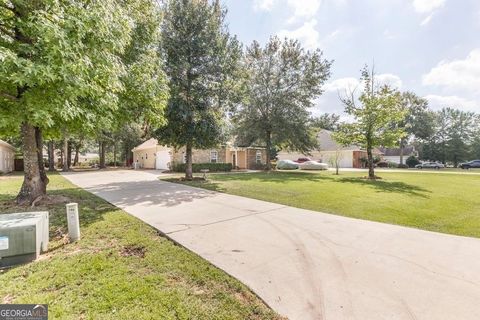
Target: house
[[88, 157], [393, 154], [151, 155], [349, 156], [7, 157]]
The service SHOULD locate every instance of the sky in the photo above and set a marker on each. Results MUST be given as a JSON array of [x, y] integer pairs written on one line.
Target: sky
[[430, 47]]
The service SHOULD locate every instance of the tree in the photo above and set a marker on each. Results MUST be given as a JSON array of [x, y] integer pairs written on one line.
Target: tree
[[54, 56], [282, 79], [336, 159], [326, 121], [418, 122], [201, 59], [375, 118], [460, 135], [454, 136]]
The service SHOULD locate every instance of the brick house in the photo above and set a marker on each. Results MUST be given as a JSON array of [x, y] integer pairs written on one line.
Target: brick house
[[151, 155]]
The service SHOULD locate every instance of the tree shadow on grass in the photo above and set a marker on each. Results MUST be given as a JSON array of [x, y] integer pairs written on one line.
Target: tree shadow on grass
[[389, 186], [287, 177], [277, 176]]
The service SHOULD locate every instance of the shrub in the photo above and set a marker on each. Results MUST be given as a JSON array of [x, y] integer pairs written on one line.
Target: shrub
[[259, 166], [196, 167], [382, 164], [412, 161], [403, 166], [112, 164], [392, 164]]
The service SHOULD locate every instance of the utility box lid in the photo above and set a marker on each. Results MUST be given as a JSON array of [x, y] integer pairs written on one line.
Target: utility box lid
[[12, 220], [23, 236]]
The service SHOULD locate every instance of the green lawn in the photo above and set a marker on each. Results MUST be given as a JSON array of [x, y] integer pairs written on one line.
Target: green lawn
[[121, 269], [448, 203]]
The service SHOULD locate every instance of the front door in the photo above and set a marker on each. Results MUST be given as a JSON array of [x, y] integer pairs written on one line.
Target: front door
[[234, 160]]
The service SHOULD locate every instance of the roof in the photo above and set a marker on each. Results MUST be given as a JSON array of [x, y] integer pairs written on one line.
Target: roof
[[150, 143], [327, 143], [394, 152], [7, 145]]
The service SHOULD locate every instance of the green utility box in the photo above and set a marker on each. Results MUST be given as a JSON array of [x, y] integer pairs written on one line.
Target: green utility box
[[23, 236]]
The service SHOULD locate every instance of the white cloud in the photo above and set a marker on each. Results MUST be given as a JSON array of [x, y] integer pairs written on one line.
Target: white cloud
[[342, 84], [303, 8], [438, 102], [263, 5], [427, 6], [330, 101], [389, 79], [306, 34], [457, 74]]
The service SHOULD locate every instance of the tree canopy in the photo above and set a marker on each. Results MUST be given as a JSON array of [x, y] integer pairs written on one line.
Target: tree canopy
[[62, 68], [376, 115], [201, 60], [282, 80]]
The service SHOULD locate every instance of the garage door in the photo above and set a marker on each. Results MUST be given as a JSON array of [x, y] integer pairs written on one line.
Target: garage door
[[162, 160]]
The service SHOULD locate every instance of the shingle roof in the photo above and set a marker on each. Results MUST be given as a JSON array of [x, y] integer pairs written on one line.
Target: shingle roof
[[393, 152], [6, 144], [327, 143], [147, 144]]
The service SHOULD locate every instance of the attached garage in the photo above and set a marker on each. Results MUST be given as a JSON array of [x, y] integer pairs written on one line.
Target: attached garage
[[162, 159], [150, 155]]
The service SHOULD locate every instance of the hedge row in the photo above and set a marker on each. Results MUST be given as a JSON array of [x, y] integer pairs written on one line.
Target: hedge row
[[196, 167]]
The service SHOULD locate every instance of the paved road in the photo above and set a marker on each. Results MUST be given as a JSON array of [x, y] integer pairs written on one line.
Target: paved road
[[304, 264]]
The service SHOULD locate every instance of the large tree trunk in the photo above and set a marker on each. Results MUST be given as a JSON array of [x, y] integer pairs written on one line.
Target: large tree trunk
[[35, 181], [41, 162], [371, 169], [77, 154], [51, 156], [69, 156], [65, 154], [268, 138], [188, 169], [102, 155]]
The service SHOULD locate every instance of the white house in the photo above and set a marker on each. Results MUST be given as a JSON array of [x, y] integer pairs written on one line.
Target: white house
[[349, 156], [393, 154], [7, 157]]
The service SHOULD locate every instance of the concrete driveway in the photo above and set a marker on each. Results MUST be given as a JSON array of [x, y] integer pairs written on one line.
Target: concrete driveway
[[304, 264]]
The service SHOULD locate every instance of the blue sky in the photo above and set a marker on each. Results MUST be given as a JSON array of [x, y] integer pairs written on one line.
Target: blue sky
[[430, 47]]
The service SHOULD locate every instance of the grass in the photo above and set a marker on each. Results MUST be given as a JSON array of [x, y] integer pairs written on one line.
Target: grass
[[447, 203], [121, 269]]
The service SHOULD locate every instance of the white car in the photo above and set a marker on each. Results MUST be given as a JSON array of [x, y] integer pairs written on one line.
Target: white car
[[313, 165], [286, 165]]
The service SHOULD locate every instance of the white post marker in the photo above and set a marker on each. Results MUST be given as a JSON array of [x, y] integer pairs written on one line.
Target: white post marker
[[73, 222]]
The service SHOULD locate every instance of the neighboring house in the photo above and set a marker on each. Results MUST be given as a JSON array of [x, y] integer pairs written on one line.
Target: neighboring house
[[151, 155], [7, 157], [87, 157], [393, 154], [349, 156]]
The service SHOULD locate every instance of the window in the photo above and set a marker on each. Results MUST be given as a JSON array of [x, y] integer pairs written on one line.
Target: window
[[146, 155], [258, 156], [184, 157], [213, 156]]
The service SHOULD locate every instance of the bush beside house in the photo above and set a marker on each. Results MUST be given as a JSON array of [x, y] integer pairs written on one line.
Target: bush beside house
[[196, 167], [412, 161]]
